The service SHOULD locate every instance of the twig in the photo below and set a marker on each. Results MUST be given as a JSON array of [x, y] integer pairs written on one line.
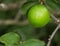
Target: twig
[[19, 14], [10, 6], [13, 6], [55, 19], [55, 12], [13, 22], [52, 35]]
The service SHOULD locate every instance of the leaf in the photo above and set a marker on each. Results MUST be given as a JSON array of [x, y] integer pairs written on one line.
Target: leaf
[[12, 45], [52, 5], [10, 38], [27, 6], [26, 32], [33, 42], [57, 1]]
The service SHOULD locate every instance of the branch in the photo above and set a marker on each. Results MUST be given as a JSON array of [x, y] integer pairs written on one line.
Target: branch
[[54, 18], [57, 21], [11, 6], [53, 34], [19, 14], [13, 22], [55, 12]]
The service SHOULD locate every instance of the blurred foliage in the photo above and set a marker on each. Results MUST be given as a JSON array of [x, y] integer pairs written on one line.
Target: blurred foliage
[[28, 32], [2, 14], [33, 42], [9, 38], [26, 6], [10, 1], [32, 0], [52, 5]]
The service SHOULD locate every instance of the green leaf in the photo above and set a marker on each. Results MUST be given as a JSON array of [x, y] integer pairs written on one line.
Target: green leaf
[[33, 42], [26, 32], [12, 45], [57, 1], [27, 6], [52, 5], [10, 38]]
